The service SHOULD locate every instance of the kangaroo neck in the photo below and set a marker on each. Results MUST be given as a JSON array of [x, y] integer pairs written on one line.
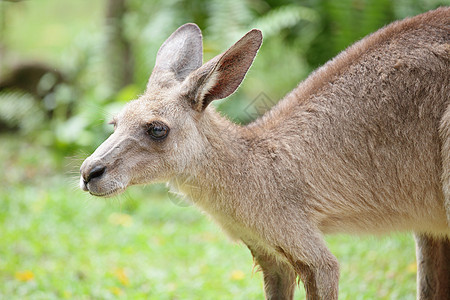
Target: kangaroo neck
[[223, 163]]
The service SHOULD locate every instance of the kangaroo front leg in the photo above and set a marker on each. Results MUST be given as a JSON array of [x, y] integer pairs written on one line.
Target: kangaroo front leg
[[317, 267], [279, 277], [433, 267]]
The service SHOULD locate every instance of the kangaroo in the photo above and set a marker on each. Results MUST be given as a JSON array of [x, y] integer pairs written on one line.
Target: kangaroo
[[361, 146]]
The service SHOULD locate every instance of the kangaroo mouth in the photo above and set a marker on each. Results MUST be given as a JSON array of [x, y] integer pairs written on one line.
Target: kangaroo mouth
[[110, 193], [109, 189]]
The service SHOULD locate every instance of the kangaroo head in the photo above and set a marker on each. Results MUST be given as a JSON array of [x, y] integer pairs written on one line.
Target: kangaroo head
[[161, 134]]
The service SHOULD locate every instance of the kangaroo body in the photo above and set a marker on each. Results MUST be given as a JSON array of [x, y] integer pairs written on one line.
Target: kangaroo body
[[361, 146]]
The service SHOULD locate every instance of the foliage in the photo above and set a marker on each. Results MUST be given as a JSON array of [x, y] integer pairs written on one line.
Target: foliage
[[20, 111]]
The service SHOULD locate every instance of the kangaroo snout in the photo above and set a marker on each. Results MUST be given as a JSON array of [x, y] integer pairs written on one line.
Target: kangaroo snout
[[88, 174], [90, 171], [100, 173], [97, 181]]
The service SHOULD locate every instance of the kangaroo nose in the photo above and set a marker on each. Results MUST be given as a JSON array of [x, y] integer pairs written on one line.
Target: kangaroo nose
[[95, 172]]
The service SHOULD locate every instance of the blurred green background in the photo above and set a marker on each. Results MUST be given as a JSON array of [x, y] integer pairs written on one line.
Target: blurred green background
[[67, 66]]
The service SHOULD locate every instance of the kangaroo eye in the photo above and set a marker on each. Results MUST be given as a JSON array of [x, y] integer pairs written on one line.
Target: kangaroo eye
[[158, 130]]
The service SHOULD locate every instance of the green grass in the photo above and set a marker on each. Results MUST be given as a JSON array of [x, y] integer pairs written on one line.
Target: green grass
[[57, 242]]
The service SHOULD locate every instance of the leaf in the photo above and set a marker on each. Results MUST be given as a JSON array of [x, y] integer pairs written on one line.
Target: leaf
[[284, 17]]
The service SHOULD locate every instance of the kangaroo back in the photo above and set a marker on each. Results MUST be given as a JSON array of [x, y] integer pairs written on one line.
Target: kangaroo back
[[371, 127]]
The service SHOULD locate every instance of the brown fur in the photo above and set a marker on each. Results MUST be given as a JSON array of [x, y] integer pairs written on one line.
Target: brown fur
[[433, 267], [361, 146]]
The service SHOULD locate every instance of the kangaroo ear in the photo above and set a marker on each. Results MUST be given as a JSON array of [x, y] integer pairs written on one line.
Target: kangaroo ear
[[222, 75], [179, 55]]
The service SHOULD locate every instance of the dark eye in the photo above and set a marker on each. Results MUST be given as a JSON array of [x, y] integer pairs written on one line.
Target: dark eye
[[157, 130]]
